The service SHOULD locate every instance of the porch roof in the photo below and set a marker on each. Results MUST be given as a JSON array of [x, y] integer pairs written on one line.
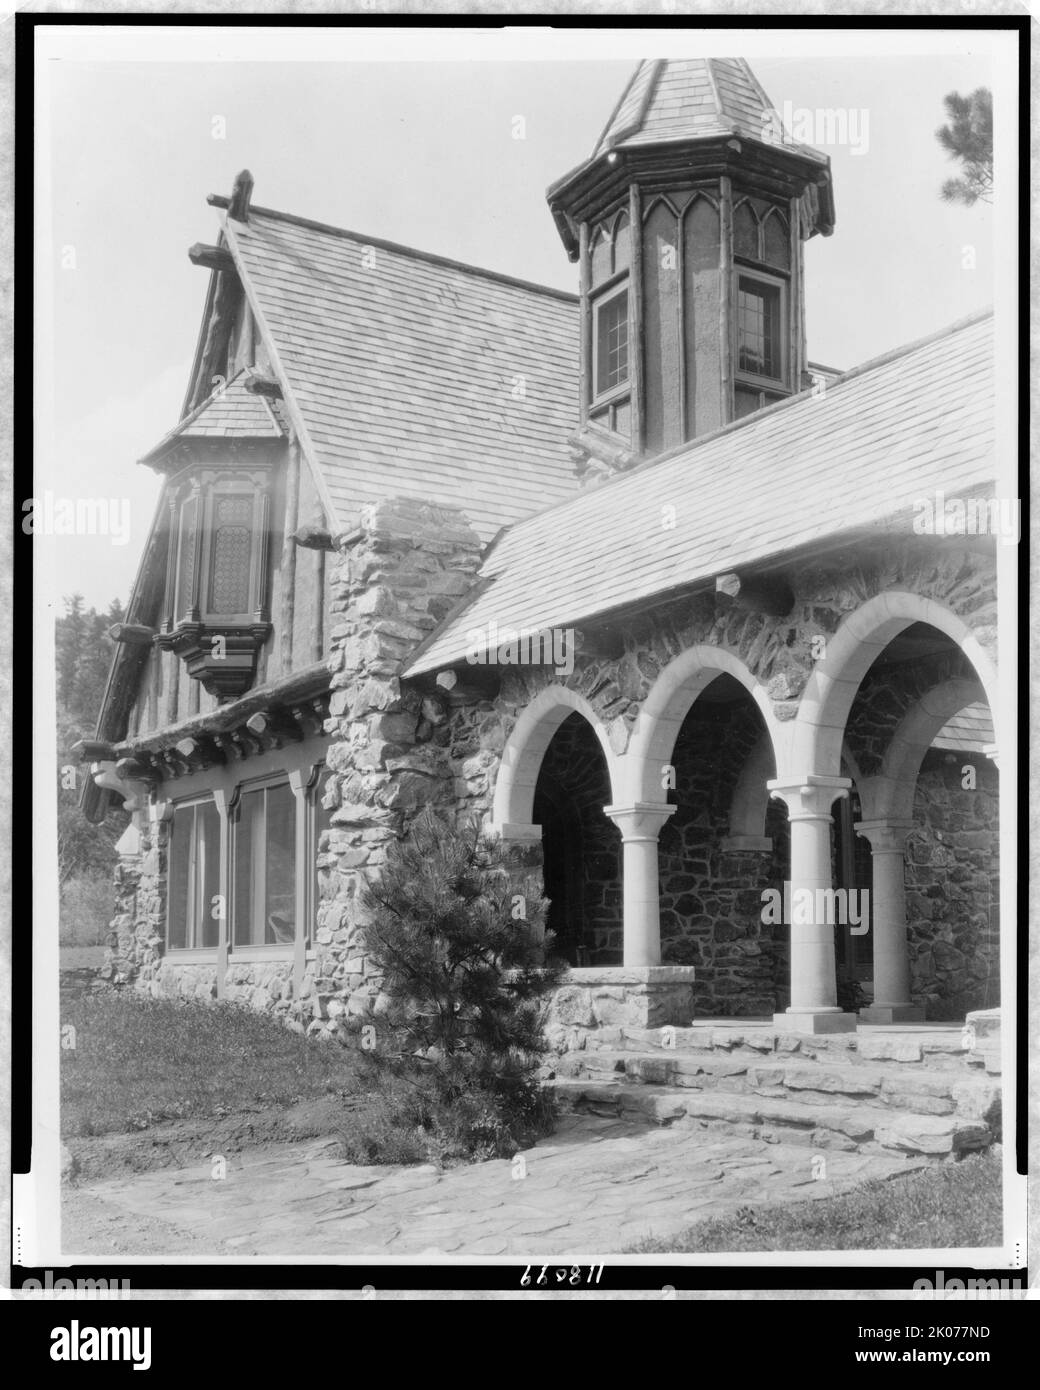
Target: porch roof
[[808, 470]]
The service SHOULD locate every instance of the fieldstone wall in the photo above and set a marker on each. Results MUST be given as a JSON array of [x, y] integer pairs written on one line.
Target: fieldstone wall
[[582, 847], [396, 579], [138, 926], [711, 898], [953, 887]]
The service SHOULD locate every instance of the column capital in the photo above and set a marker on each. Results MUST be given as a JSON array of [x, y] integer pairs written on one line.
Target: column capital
[[640, 820], [885, 836], [809, 797]]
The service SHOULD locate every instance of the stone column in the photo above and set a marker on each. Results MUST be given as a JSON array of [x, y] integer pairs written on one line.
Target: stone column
[[640, 824], [814, 990], [888, 916]]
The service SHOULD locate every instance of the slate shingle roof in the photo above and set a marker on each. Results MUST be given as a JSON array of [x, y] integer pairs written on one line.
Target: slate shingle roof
[[413, 375], [897, 429], [970, 731], [690, 98], [231, 413]]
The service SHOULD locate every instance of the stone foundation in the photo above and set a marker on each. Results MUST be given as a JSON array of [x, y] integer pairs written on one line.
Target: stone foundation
[[615, 997]]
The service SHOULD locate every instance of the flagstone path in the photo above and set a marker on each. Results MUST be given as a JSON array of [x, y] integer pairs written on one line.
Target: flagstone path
[[596, 1187]]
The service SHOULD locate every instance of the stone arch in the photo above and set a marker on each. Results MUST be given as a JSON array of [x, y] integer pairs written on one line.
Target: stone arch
[[891, 793], [819, 728], [666, 706], [522, 755]]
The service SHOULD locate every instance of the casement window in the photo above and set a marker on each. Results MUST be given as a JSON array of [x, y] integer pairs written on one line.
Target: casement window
[[611, 343], [269, 898], [194, 914], [761, 306], [759, 328], [264, 854]]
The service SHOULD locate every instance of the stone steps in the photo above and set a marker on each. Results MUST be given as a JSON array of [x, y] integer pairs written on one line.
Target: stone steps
[[928, 1091], [870, 1128], [935, 1048], [920, 1091]]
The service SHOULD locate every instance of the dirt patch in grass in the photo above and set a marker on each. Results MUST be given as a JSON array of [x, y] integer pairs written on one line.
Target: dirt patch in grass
[[950, 1205], [180, 1143]]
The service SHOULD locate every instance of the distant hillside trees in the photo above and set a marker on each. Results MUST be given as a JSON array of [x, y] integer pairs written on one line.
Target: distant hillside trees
[[86, 853]]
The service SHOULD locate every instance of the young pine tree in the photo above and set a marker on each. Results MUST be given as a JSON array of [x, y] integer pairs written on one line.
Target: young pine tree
[[467, 966]]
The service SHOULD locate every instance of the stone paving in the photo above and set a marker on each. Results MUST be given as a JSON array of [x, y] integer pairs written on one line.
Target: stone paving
[[597, 1187]]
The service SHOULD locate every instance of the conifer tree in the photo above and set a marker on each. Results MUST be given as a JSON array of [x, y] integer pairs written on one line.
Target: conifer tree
[[460, 940], [969, 138]]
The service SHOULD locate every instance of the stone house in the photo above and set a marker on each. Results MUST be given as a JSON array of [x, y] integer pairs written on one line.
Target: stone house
[[622, 572]]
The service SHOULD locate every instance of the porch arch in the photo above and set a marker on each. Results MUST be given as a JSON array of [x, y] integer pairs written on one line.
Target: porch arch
[[890, 794], [818, 730], [525, 748], [667, 705]]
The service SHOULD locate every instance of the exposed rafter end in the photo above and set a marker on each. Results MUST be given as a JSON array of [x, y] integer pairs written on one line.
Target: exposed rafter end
[[132, 634], [210, 257], [260, 385]]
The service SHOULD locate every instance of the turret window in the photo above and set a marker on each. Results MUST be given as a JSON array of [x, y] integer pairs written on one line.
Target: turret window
[[758, 328], [611, 367]]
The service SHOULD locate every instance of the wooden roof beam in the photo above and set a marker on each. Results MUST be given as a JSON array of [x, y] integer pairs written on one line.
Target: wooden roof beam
[[211, 257]]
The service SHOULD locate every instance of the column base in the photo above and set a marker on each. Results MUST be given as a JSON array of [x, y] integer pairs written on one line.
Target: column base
[[892, 1013], [821, 1021], [619, 996]]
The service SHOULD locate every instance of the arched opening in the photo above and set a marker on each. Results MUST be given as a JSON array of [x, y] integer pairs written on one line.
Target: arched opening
[[921, 732], [581, 847], [724, 843]]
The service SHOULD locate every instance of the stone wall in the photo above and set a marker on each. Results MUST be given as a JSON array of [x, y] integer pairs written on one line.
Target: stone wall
[[711, 898], [582, 847], [396, 579], [137, 936], [952, 880]]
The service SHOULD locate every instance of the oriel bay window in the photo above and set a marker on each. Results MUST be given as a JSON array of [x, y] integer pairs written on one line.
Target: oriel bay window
[[216, 614], [194, 911]]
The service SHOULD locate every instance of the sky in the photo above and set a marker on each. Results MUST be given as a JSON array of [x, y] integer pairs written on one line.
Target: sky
[[421, 150]]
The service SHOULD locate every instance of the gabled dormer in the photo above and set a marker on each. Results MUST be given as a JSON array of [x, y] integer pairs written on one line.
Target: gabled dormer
[[688, 224]]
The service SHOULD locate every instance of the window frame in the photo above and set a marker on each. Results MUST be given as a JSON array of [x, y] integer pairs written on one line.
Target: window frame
[[247, 788], [778, 284], [196, 887], [606, 294], [305, 779]]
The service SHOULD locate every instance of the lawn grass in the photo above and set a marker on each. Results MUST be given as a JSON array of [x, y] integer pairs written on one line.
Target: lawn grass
[[138, 1062], [955, 1204]]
